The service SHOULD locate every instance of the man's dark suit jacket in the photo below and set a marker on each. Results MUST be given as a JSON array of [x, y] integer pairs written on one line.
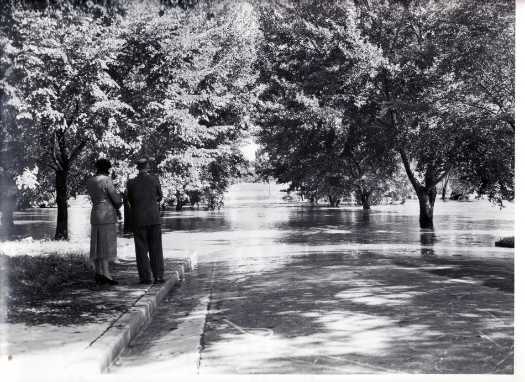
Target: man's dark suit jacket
[[144, 195]]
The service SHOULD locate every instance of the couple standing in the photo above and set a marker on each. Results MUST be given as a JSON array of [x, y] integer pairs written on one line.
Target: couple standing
[[144, 194]]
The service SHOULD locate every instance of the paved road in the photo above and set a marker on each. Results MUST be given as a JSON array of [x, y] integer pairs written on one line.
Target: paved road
[[329, 313], [274, 295]]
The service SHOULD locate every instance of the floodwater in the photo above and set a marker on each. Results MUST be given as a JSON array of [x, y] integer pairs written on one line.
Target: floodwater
[[258, 207], [257, 212], [289, 288]]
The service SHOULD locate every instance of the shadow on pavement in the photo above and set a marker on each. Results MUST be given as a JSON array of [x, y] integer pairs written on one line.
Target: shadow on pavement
[[344, 313]]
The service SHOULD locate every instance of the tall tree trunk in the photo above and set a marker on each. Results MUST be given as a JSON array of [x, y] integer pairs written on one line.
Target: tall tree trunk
[[8, 192], [180, 203], [333, 200], [444, 189], [61, 199], [7, 220], [427, 198], [365, 199], [426, 194]]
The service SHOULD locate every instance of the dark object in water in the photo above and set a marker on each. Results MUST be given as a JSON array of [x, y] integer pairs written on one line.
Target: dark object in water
[[507, 242]]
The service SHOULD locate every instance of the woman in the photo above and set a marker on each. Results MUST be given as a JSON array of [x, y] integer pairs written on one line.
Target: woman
[[106, 202]]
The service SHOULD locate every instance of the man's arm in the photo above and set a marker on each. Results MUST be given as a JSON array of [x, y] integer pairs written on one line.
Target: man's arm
[[159, 189], [129, 194]]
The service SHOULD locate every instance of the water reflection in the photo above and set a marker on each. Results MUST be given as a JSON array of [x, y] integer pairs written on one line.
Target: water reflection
[[40, 223], [427, 239], [459, 226]]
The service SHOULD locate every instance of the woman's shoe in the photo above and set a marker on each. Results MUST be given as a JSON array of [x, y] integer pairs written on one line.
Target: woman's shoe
[[102, 279], [110, 281]]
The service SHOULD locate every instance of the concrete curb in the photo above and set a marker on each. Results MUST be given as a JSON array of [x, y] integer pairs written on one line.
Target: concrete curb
[[99, 356]]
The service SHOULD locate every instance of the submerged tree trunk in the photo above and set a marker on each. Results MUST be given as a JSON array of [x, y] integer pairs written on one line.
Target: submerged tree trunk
[[365, 200], [61, 199], [334, 201], [180, 202], [427, 198], [7, 221], [364, 196], [444, 189], [8, 193], [426, 193]]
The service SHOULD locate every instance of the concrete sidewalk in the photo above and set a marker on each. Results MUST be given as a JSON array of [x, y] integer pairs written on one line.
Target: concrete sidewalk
[[101, 320]]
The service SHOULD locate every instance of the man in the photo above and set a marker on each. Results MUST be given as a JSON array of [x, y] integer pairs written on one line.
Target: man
[[144, 194]]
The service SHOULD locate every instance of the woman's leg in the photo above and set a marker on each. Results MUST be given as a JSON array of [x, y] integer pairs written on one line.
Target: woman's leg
[[105, 268]]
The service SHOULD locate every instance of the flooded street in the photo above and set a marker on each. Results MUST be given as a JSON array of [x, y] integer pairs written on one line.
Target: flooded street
[[284, 288], [298, 289]]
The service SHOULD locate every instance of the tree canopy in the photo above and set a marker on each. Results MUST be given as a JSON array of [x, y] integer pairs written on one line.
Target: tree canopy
[[340, 95], [314, 64]]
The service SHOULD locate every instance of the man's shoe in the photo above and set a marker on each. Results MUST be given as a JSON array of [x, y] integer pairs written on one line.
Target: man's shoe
[[160, 281], [99, 279]]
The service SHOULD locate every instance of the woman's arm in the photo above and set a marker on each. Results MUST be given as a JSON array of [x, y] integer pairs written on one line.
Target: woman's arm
[[114, 195]]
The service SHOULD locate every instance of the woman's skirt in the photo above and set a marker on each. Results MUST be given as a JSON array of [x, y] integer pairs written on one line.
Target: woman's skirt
[[103, 242]]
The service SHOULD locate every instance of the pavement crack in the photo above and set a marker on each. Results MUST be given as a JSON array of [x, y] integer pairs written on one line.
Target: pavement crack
[[202, 344]]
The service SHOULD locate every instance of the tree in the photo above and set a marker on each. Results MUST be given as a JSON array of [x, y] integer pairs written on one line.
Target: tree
[[123, 80], [314, 64], [187, 74], [66, 100], [436, 92]]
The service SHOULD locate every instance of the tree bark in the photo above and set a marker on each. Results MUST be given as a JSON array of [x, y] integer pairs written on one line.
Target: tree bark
[[444, 189], [180, 203], [8, 193], [425, 194], [61, 199], [7, 221], [333, 200], [427, 198], [365, 200]]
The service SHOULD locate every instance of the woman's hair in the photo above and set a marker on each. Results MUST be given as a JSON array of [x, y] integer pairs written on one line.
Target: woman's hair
[[103, 166]]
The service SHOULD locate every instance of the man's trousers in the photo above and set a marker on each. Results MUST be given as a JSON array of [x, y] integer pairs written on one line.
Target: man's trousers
[[148, 239]]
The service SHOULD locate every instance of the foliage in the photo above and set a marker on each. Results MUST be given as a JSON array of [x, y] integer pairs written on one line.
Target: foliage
[[187, 75], [84, 84], [313, 61], [66, 103], [445, 88], [339, 91]]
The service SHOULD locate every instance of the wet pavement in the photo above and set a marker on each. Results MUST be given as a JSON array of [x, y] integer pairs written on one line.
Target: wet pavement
[[293, 289]]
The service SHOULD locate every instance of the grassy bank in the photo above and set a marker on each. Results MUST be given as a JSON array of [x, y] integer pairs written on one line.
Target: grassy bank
[[29, 247], [45, 281]]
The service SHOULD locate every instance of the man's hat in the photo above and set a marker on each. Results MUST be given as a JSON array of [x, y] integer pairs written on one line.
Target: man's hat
[[142, 163]]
